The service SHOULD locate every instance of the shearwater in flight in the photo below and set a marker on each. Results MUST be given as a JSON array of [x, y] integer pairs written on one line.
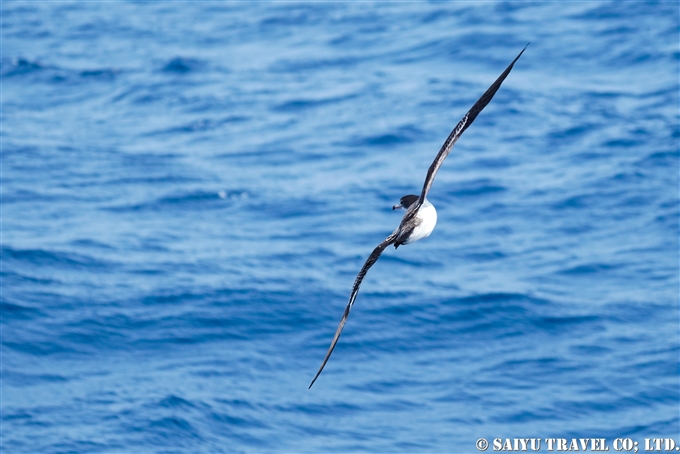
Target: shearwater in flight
[[420, 217]]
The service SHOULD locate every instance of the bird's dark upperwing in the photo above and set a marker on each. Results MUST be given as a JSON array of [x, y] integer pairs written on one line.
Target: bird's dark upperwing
[[375, 255], [460, 128]]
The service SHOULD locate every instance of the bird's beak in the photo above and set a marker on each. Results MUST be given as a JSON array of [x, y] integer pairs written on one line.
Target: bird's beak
[[396, 207]]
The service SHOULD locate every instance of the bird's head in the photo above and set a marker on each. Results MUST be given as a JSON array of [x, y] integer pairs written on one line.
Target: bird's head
[[406, 202]]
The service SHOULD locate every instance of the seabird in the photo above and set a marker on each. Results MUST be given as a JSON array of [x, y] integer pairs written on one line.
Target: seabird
[[420, 217]]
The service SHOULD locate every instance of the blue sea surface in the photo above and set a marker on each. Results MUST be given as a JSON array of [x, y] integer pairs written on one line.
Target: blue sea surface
[[190, 188]]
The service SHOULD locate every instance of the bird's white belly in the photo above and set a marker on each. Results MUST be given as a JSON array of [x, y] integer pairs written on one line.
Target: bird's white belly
[[428, 216]]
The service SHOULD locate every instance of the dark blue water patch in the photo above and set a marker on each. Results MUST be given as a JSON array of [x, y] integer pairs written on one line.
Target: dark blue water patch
[[590, 350], [223, 418], [195, 200], [635, 201], [297, 105], [150, 162], [572, 324], [90, 336], [272, 155], [436, 47], [290, 208], [183, 65], [12, 311], [21, 380], [221, 314], [337, 407], [443, 15], [15, 151], [308, 65], [169, 426], [660, 159], [575, 132], [629, 177], [658, 428], [20, 414], [139, 94], [622, 143], [173, 424], [101, 74], [470, 322], [577, 228], [494, 163], [202, 125], [342, 40], [296, 15], [590, 269], [477, 187], [410, 446], [440, 48], [496, 298], [36, 72], [39, 348], [602, 405], [71, 446], [54, 259], [239, 405], [177, 297], [398, 405], [627, 313], [291, 258], [421, 262], [533, 370], [25, 195], [171, 431], [664, 94], [12, 278], [91, 244], [609, 11], [529, 417], [175, 402], [484, 256], [615, 31], [605, 94], [660, 368], [150, 93], [18, 66], [578, 202], [403, 135], [390, 387]]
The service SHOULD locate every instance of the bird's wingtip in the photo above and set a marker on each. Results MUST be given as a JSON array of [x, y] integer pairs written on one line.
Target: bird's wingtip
[[523, 49]]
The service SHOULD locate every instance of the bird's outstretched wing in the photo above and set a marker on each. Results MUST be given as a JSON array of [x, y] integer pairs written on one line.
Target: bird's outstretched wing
[[407, 219], [460, 128], [375, 255]]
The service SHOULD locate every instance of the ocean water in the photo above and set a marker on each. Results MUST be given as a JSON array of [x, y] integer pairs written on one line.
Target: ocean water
[[189, 189]]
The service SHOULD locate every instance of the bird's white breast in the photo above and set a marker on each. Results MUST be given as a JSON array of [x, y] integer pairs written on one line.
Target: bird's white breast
[[428, 219]]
